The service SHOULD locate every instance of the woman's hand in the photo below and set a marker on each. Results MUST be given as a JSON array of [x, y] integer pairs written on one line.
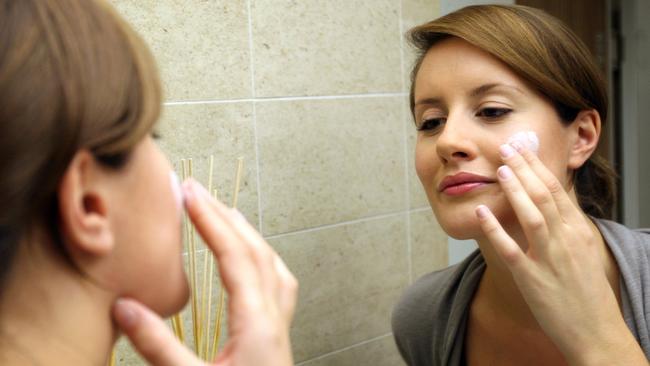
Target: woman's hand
[[561, 274], [261, 295]]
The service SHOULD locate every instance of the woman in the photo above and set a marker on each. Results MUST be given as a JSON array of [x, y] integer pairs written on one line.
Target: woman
[[90, 224], [509, 108]]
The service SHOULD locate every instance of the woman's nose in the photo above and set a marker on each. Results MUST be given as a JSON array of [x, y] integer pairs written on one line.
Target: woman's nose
[[455, 141]]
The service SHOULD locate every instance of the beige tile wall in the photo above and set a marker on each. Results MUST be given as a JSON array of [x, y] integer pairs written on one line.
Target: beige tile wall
[[313, 94]]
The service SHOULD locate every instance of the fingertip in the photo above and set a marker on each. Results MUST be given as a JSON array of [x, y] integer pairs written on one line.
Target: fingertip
[[189, 194], [125, 313], [504, 172], [482, 212]]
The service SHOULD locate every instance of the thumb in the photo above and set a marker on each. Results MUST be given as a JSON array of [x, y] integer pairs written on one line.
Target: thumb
[[150, 335]]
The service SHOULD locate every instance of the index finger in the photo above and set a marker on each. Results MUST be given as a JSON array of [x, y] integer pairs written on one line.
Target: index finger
[[214, 222], [565, 206]]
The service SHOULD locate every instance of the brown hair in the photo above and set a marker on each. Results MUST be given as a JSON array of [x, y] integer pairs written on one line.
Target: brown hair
[[73, 76], [551, 58]]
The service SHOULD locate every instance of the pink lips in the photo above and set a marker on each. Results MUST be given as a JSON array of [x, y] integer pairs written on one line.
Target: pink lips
[[463, 182]]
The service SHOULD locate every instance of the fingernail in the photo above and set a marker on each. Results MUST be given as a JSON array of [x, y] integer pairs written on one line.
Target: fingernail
[[124, 313], [201, 190], [238, 215], [504, 172], [517, 145], [188, 192], [506, 150], [482, 211]]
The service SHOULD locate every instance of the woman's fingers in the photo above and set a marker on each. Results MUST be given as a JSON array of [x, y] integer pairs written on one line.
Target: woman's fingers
[[565, 207], [214, 222], [530, 184], [288, 290], [509, 251], [243, 254], [150, 335]]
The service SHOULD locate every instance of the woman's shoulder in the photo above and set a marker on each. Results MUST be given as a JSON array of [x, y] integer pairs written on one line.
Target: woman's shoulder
[[629, 242], [423, 316]]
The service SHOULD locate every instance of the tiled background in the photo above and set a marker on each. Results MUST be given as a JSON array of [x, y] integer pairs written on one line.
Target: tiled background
[[313, 95]]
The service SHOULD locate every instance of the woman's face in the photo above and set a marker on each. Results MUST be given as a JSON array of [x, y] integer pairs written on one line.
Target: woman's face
[[148, 231], [468, 103]]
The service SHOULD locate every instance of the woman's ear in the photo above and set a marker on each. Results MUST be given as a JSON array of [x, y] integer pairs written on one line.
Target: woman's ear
[[83, 209], [585, 136]]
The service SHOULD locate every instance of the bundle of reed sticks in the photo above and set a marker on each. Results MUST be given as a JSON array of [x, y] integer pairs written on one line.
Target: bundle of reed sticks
[[205, 339]]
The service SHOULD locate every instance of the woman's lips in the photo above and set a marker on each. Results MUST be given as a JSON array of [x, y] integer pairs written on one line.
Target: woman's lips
[[463, 188], [462, 183]]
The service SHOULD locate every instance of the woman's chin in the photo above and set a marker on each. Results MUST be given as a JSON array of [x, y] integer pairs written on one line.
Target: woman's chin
[[176, 300], [459, 232]]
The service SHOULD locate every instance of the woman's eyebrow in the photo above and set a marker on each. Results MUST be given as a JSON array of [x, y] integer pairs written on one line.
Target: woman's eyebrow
[[484, 89], [429, 101]]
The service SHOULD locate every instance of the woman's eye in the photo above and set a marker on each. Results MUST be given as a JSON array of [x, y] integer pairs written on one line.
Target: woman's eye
[[430, 124], [493, 112]]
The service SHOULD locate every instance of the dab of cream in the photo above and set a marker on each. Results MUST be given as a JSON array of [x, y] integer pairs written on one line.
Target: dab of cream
[[528, 139], [176, 190]]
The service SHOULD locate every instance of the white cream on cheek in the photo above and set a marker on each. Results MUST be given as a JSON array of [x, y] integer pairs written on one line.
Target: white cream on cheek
[[528, 139], [177, 191]]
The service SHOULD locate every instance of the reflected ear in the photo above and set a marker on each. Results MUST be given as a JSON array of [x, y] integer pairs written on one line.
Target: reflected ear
[[83, 208], [585, 135]]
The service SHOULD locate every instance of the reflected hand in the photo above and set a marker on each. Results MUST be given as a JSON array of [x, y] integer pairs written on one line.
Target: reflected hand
[[561, 274]]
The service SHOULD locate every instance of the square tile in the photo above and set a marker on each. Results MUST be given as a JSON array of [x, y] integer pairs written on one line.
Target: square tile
[[201, 46], [414, 13], [329, 161], [417, 195], [350, 278], [429, 248], [225, 131], [325, 47]]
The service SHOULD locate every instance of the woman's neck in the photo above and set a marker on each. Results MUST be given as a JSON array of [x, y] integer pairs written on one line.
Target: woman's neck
[[50, 314], [498, 290]]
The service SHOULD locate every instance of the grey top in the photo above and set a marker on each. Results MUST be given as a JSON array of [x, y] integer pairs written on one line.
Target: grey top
[[430, 320]]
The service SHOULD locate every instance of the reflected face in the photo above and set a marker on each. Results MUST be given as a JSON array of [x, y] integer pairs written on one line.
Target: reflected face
[[468, 103], [148, 232]]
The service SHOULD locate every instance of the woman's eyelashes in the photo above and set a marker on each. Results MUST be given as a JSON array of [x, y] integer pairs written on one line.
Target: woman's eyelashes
[[433, 124], [493, 112], [430, 124]]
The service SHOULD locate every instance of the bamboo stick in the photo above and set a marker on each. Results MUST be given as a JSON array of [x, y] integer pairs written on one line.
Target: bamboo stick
[[203, 338], [193, 286], [210, 277], [111, 360], [217, 326], [180, 332], [235, 195]]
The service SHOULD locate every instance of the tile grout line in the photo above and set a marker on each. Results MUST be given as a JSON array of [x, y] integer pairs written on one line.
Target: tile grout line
[[342, 223], [409, 249], [349, 222], [306, 362], [335, 225], [420, 209], [255, 135], [285, 98]]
